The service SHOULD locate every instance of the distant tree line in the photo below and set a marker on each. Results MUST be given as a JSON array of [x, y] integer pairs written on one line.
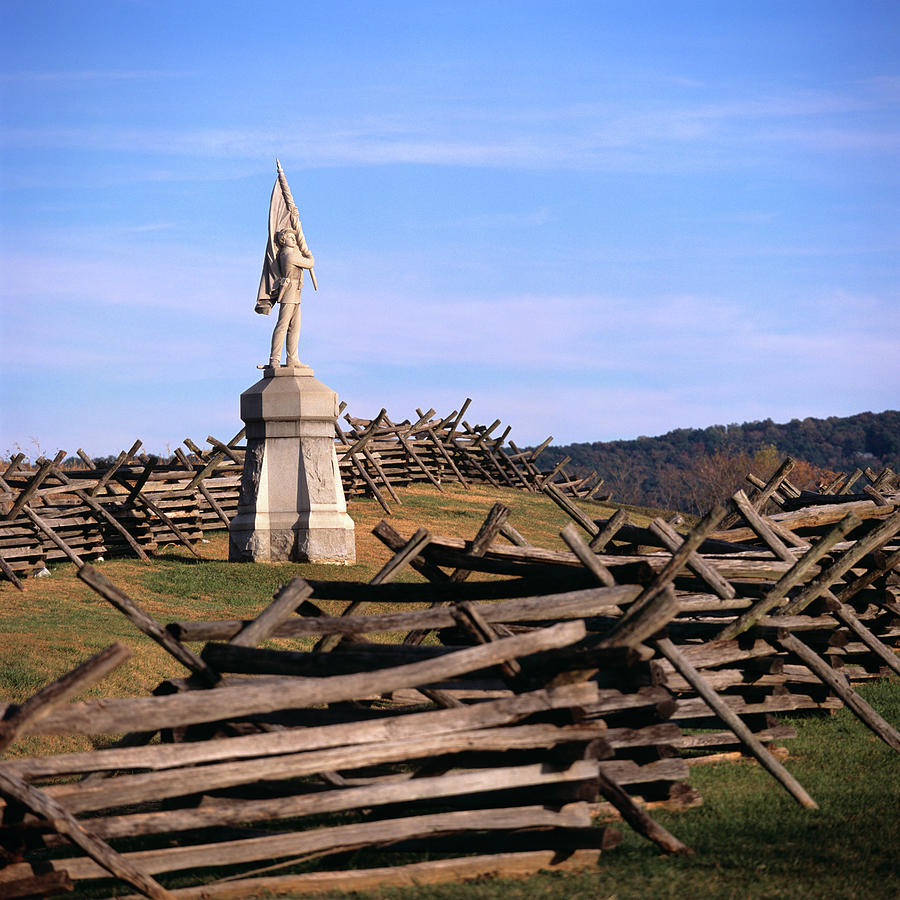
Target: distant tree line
[[690, 468]]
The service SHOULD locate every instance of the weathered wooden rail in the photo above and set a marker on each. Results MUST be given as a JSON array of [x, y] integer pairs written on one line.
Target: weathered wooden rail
[[138, 505]]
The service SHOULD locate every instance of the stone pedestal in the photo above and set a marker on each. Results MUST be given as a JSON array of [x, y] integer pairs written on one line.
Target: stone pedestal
[[291, 504]]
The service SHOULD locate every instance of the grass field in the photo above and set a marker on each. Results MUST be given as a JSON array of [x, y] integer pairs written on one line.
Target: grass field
[[750, 838]]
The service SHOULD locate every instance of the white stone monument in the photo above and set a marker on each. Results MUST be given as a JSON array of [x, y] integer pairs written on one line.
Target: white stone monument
[[291, 504]]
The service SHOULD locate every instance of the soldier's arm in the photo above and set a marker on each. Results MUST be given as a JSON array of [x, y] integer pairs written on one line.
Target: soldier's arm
[[293, 257]]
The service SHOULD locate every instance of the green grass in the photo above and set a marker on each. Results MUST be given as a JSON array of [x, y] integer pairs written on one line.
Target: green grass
[[751, 839]]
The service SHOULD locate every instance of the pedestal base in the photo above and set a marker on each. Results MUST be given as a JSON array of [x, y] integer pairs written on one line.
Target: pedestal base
[[261, 540], [291, 506]]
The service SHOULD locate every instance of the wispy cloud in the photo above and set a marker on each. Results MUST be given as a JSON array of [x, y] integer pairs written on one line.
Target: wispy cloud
[[585, 135]]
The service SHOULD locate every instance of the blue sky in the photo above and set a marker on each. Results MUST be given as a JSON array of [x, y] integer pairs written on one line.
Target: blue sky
[[597, 219]]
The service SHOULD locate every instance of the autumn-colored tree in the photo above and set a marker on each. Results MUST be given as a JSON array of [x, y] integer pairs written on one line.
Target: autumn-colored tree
[[713, 477], [808, 477]]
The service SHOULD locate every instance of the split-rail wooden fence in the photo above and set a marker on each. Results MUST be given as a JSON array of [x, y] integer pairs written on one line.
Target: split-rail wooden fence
[[498, 714], [139, 504]]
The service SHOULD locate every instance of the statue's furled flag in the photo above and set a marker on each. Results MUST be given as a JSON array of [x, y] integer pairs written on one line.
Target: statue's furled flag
[[283, 216]]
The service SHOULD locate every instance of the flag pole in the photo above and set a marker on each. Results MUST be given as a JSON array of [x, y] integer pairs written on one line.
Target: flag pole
[[295, 218]]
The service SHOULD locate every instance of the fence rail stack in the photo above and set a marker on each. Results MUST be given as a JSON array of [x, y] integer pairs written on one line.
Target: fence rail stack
[[138, 504]]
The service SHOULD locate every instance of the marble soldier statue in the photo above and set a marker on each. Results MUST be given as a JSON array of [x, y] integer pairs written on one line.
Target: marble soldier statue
[[291, 263], [287, 255]]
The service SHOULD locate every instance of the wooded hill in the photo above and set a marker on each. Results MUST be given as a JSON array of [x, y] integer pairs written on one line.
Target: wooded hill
[[685, 468]]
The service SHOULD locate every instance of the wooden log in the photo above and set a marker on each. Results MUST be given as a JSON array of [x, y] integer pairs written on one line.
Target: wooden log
[[722, 711], [106, 860], [587, 556], [404, 556], [61, 690], [849, 618], [450, 784], [147, 713], [850, 480], [880, 499], [13, 465], [511, 465], [44, 885], [143, 500], [672, 541], [490, 455], [54, 537], [631, 631], [226, 449], [447, 551], [8, 571], [487, 532], [124, 790], [211, 465], [818, 517], [148, 625], [890, 562], [411, 453], [709, 654], [342, 837], [596, 487], [836, 683], [373, 462], [865, 545], [513, 535], [628, 771], [570, 605], [199, 452], [520, 864], [354, 458], [490, 714], [647, 736], [761, 526], [794, 576], [569, 507], [204, 491], [884, 480], [29, 490], [108, 474], [608, 532], [394, 541], [469, 617], [454, 424], [638, 818], [526, 459], [279, 610], [762, 495], [774, 483], [549, 476], [140, 481], [216, 508], [780, 497], [690, 710], [442, 451], [702, 742], [677, 560], [366, 436], [103, 515]]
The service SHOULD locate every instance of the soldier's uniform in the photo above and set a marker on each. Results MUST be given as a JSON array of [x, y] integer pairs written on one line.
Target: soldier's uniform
[[291, 263]]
